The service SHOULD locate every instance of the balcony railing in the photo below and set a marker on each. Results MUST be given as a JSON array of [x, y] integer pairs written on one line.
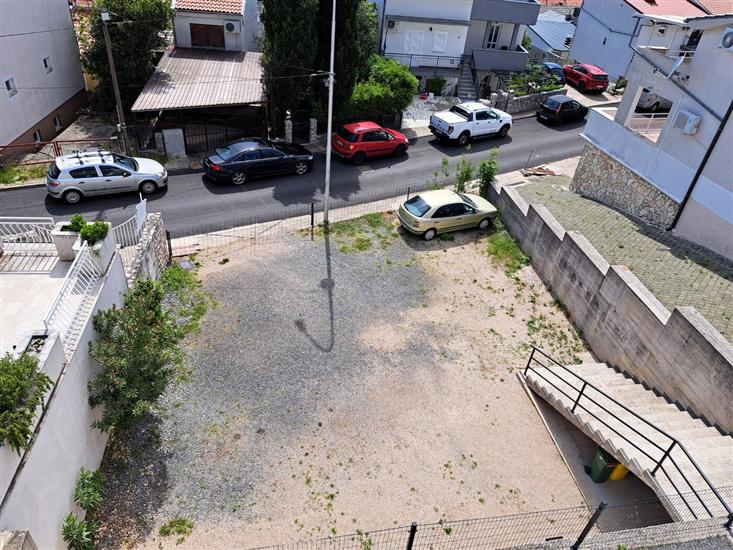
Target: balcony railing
[[496, 59], [648, 125], [426, 61]]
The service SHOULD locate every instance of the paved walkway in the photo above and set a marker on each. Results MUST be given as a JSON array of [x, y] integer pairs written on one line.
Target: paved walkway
[[678, 272]]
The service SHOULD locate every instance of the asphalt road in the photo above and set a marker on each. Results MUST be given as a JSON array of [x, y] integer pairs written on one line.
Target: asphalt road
[[194, 204]]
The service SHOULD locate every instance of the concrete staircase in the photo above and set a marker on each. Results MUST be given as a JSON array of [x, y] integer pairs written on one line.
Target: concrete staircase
[[466, 89], [605, 412]]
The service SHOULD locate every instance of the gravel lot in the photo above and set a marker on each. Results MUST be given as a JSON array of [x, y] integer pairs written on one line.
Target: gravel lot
[[360, 383]]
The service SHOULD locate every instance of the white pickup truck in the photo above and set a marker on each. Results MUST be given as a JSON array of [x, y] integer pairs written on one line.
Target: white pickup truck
[[468, 120]]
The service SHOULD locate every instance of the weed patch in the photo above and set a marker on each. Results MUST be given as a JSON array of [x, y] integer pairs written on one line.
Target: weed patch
[[363, 233], [180, 527], [13, 175], [505, 251]]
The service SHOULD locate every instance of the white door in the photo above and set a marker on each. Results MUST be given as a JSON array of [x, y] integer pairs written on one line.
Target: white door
[[413, 45]]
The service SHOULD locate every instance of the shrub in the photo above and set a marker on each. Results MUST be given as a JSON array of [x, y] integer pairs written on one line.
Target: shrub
[[439, 177], [88, 490], [93, 232], [390, 88], [533, 80], [464, 174], [487, 170], [435, 85], [22, 388], [76, 223], [77, 533]]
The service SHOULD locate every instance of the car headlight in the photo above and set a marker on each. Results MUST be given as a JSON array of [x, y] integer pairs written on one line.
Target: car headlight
[[310, 157]]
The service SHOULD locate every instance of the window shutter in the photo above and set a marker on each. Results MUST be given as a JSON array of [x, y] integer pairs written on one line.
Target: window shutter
[[440, 41]]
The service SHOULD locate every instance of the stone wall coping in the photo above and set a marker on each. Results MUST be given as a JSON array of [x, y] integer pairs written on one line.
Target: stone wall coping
[[717, 341], [589, 250], [549, 220], [516, 198], [644, 295]]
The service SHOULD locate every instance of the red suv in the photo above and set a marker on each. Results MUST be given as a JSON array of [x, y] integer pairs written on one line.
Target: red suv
[[357, 141], [586, 77]]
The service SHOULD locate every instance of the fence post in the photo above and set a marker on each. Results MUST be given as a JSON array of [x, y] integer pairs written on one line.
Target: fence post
[[170, 248], [408, 192], [588, 526], [288, 130], [411, 536], [313, 215], [529, 361]]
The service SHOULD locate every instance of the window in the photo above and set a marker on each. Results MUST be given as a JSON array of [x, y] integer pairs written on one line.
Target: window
[[57, 123], [37, 136], [379, 135], [461, 112], [79, 173], [207, 36], [661, 30], [482, 115], [492, 37], [252, 154], [348, 136], [450, 210], [47, 64], [692, 41], [111, 171], [268, 153], [371, 136], [417, 206], [10, 87], [440, 41]]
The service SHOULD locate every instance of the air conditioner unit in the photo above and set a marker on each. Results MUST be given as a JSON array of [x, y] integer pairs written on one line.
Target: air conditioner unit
[[391, 23], [726, 40], [233, 27], [687, 122]]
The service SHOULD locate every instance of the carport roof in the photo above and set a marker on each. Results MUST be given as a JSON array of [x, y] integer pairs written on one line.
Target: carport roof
[[552, 29], [188, 78]]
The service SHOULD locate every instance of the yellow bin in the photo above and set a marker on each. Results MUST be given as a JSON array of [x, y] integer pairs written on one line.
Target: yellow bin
[[619, 472]]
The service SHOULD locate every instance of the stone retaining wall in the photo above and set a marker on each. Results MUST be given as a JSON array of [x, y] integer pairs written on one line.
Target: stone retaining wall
[[680, 354], [523, 103], [602, 178]]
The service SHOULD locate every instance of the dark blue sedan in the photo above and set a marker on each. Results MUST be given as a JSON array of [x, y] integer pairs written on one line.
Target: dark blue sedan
[[555, 70]]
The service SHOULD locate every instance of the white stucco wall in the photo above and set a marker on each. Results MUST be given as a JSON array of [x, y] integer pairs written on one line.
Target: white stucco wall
[[244, 41], [456, 38], [42, 494], [458, 10], [30, 31], [611, 21]]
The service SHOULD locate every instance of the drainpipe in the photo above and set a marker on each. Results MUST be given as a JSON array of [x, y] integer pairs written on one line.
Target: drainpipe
[[700, 168], [383, 33]]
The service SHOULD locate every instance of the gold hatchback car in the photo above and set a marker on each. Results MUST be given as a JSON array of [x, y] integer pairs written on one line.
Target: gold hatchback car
[[434, 212]]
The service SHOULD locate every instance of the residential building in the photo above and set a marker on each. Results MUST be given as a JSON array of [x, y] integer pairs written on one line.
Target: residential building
[[231, 25], [466, 40], [43, 86], [605, 29], [551, 37], [671, 169]]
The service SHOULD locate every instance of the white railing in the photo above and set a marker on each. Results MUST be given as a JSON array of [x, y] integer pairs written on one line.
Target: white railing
[[128, 233], [649, 126], [79, 284], [685, 52], [26, 234]]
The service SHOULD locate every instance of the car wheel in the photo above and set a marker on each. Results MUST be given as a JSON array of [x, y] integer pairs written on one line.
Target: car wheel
[[239, 178], [463, 139], [504, 131], [429, 235], [148, 187], [72, 197], [399, 151], [301, 168], [581, 86], [358, 158], [484, 224]]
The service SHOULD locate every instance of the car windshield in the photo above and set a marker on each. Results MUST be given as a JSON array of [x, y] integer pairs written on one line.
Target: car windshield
[[460, 111], [53, 171], [551, 103], [417, 206], [125, 161], [348, 136], [226, 153], [468, 201]]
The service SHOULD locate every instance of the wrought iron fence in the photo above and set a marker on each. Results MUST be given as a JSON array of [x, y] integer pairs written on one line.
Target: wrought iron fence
[[427, 61], [200, 137], [44, 152]]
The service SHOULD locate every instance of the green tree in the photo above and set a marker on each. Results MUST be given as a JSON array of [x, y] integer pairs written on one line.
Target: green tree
[[137, 39], [389, 89], [22, 388], [526, 41], [487, 170], [464, 173], [289, 45]]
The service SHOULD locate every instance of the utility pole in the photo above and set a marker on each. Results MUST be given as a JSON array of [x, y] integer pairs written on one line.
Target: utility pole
[[118, 99], [327, 187]]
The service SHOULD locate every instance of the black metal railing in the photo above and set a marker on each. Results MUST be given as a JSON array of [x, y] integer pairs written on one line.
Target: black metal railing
[[427, 61], [582, 395]]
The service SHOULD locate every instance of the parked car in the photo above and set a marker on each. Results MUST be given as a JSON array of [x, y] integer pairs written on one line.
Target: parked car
[[650, 101], [249, 158], [555, 70], [360, 140], [468, 120], [561, 108], [433, 212], [586, 77], [97, 172]]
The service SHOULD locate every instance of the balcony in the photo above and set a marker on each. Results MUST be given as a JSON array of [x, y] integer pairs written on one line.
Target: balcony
[[486, 59], [419, 61], [522, 12]]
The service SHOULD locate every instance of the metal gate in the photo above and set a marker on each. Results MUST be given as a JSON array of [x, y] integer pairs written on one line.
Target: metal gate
[[301, 126], [201, 137]]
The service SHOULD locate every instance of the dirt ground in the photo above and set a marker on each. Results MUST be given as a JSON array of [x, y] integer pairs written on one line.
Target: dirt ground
[[356, 383]]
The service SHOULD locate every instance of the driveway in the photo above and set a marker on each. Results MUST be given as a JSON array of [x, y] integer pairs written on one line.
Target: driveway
[[355, 383]]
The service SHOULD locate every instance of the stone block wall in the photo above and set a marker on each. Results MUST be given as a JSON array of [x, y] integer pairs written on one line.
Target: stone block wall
[[680, 354], [523, 103], [603, 178]]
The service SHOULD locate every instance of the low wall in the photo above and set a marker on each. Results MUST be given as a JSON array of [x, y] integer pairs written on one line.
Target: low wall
[[523, 103], [151, 255], [680, 354]]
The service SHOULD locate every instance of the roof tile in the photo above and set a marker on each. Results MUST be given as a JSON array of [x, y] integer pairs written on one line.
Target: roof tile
[[217, 6]]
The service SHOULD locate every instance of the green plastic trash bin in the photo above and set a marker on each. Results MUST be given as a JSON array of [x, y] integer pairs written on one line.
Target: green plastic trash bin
[[602, 466]]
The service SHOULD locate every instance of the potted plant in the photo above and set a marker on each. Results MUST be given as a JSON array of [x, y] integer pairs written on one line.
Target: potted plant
[[65, 234], [101, 241]]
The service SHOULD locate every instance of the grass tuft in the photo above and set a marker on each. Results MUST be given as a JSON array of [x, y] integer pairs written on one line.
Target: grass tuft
[[504, 250], [13, 175]]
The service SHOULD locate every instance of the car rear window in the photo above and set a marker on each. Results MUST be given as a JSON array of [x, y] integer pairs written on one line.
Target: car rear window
[[551, 103], [53, 171], [348, 136], [600, 77], [460, 111], [125, 161], [226, 153], [417, 206]]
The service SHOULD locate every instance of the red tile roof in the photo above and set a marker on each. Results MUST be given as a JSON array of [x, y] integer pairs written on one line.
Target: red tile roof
[[216, 6], [683, 8], [568, 3], [718, 7]]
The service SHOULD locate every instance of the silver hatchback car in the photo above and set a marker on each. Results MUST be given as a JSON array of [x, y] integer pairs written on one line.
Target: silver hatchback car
[[89, 173]]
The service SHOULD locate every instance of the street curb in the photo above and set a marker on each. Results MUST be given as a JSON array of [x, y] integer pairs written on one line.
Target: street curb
[[21, 186]]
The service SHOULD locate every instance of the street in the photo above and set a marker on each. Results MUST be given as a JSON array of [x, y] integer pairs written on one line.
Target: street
[[192, 203]]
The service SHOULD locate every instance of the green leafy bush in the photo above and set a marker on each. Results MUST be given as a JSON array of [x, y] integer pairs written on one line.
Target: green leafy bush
[[464, 174], [390, 88], [88, 490], [22, 387], [77, 533], [94, 232], [435, 85], [487, 170], [534, 79], [76, 223]]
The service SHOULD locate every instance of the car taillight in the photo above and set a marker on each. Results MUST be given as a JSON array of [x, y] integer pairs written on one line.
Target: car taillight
[[558, 109], [53, 183], [450, 129], [214, 167]]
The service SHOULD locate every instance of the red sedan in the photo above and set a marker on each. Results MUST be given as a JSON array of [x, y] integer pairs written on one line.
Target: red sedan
[[357, 141], [586, 77]]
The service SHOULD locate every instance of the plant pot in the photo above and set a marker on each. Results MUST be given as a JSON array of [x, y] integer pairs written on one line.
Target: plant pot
[[102, 251], [64, 241]]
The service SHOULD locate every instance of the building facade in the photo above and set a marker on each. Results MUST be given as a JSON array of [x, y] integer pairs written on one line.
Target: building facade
[[231, 25], [670, 169], [43, 86]]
